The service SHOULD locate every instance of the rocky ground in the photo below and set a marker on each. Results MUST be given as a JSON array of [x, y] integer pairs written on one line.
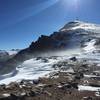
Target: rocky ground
[[75, 80]]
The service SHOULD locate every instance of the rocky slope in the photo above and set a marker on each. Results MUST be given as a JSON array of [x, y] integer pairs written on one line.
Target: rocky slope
[[75, 80], [7, 54]]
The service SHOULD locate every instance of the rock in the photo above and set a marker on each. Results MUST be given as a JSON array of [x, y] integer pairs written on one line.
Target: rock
[[97, 93], [48, 93], [13, 96], [87, 98], [18, 96], [70, 85], [84, 65], [4, 96], [32, 93], [65, 86], [2, 87], [13, 85], [36, 81], [49, 85], [45, 60], [22, 94], [38, 58], [25, 83], [94, 84], [73, 59], [74, 85], [79, 75]]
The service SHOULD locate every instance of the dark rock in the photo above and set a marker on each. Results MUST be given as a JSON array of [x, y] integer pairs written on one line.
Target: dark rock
[[79, 75], [94, 85], [73, 59], [36, 81], [38, 58], [88, 98], [70, 85], [13, 85], [49, 85], [47, 93], [84, 66], [45, 60], [13, 97], [66, 87], [74, 85], [3, 86], [22, 82], [32, 93], [4, 96]]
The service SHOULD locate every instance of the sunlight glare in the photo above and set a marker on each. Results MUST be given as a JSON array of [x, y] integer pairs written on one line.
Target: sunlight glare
[[74, 4]]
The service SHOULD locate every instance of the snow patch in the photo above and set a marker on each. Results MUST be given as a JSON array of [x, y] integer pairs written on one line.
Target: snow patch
[[12, 52], [90, 46], [88, 88]]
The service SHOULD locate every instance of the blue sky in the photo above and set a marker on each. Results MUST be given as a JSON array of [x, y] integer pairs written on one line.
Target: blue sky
[[23, 21]]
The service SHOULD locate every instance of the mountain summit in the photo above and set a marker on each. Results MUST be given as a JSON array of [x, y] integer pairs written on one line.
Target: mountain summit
[[74, 25], [76, 34]]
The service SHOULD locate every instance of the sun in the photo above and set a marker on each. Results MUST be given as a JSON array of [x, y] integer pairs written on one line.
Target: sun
[[74, 4]]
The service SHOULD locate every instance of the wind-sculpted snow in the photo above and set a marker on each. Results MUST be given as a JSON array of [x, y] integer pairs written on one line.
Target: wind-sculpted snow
[[31, 69]]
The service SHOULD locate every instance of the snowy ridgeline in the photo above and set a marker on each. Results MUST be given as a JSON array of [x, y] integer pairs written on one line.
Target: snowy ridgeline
[[81, 25]]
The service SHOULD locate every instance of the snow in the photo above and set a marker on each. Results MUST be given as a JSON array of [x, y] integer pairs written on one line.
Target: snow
[[89, 76], [12, 52], [87, 26], [6, 95], [30, 69], [88, 88], [97, 93], [82, 25], [90, 46]]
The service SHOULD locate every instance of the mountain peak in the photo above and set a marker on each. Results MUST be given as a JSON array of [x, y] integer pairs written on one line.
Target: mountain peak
[[74, 25]]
